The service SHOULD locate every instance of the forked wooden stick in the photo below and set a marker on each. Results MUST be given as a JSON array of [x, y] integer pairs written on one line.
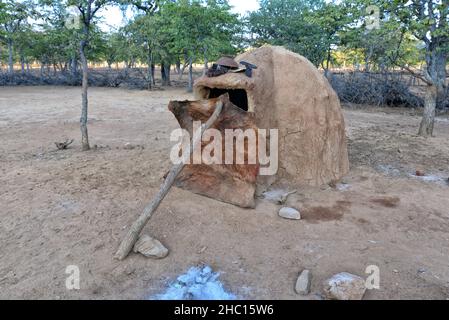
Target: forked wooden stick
[[133, 234]]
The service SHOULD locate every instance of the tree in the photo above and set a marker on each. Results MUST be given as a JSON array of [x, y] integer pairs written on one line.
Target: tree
[[23, 43], [114, 48], [61, 35], [428, 21], [332, 19], [293, 24], [149, 34], [12, 16], [201, 29], [380, 45], [88, 10], [145, 31]]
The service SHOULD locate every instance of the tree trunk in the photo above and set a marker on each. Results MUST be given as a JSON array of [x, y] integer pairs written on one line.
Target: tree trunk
[[436, 60], [181, 73], [178, 66], [190, 88], [74, 66], [153, 70], [206, 62], [328, 59], [84, 108], [10, 56], [150, 71], [167, 73], [428, 120], [22, 64], [186, 59], [164, 74]]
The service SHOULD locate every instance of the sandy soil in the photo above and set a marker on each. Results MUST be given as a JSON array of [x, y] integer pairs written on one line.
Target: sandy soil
[[73, 208]]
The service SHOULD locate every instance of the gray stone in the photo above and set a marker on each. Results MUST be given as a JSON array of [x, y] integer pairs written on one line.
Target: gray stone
[[303, 283], [290, 213], [129, 146], [150, 248], [345, 286]]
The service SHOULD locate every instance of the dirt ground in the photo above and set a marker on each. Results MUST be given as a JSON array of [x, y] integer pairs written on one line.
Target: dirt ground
[[61, 208]]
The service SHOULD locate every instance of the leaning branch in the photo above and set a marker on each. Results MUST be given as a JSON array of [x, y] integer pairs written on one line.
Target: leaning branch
[[416, 75], [133, 234]]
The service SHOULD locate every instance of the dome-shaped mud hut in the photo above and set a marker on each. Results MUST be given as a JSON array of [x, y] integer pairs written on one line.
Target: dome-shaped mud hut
[[285, 92]]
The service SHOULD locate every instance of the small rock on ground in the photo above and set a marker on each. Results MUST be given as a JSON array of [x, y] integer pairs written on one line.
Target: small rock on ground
[[345, 286], [290, 213], [303, 283], [150, 248]]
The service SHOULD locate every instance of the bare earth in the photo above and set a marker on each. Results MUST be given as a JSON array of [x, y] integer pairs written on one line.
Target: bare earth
[[61, 208]]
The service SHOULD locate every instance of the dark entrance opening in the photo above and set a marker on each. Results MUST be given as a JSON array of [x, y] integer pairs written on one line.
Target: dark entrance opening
[[237, 96]]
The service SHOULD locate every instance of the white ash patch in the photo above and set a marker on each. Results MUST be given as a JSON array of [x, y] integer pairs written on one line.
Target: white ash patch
[[441, 179], [445, 120], [432, 178], [199, 283], [343, 187], [274, 195]]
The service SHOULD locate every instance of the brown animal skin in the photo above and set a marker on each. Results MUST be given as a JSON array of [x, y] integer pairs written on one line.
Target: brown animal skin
[[234, 184]]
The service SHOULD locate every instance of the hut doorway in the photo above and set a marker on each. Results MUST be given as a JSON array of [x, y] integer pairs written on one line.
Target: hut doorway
[[238, 97]]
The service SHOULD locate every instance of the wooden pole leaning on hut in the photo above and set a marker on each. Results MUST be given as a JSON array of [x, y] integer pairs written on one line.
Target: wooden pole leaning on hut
[[134, 233]]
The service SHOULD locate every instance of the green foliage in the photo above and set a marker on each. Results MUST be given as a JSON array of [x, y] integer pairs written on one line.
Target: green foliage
[[290, 23], [202, 28], [13, 15], [427, 21], [192, 28], [381, 47], [172, 31], [310, 28], [116, 48]]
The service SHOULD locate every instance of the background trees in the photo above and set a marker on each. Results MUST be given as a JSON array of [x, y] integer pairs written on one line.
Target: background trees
[[183, 31], [291, 23], [169, 35], [13, 17], [203, 30]]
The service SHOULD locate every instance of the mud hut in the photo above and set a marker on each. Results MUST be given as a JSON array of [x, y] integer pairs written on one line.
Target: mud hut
[[286, 92]]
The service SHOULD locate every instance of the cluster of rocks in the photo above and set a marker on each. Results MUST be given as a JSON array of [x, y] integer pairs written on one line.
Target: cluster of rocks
[[279, 197], [342, 286]]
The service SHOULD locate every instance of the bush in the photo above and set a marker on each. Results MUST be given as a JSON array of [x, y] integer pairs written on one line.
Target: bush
[[380, 89], [130, 78]]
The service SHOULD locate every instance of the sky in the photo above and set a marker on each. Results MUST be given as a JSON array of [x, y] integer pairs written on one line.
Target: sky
[[242, 6], [113, 17]]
